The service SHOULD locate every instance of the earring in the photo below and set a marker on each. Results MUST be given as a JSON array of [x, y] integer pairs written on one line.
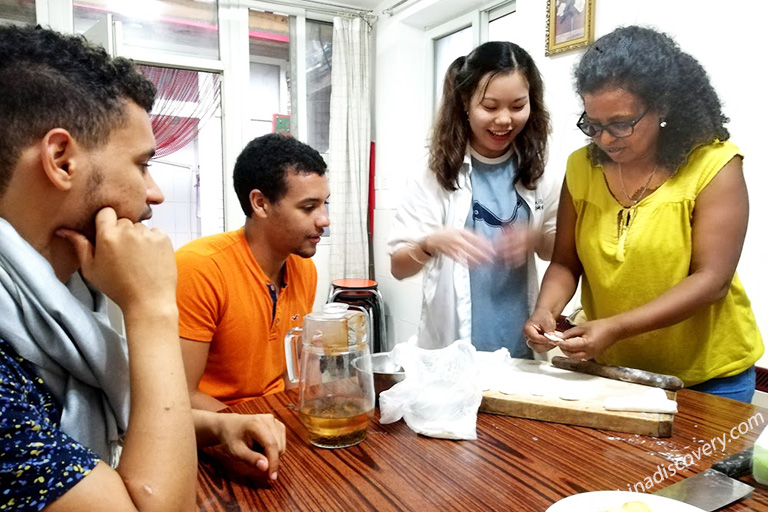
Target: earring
[[663, 124]]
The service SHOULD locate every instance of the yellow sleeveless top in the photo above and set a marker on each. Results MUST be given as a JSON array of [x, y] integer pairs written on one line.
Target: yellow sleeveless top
[[632, 255]]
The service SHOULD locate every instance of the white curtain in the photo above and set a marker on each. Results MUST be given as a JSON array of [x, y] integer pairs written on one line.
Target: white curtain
[[350, 146]]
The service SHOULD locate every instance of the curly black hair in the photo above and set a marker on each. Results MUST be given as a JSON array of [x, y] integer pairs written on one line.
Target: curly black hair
[[651, 65], [451, 132], [264, 162], [51, 80]]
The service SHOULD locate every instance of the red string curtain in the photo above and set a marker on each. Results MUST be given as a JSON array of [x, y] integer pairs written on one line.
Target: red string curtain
[[185, 101]]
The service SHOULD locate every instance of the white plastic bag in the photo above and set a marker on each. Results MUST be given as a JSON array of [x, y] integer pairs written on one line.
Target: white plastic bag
[[440, 395]]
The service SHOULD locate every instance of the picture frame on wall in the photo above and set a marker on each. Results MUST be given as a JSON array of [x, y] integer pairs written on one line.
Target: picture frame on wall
[[570, 25]]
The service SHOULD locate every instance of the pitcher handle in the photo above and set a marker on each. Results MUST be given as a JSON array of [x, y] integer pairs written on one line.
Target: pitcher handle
[[355, 310], [292, 355]]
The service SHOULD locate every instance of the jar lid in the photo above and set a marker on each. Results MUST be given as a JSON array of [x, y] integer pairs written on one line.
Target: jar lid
[[331, 311]]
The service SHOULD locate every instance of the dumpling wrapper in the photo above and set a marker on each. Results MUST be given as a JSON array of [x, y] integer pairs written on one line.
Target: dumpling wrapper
[[652, 400]]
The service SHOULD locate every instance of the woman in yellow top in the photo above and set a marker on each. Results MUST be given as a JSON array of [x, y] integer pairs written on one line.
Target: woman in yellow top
[[652, 218]]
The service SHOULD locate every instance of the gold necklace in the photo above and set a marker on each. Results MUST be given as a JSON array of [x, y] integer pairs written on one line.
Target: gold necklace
[[642, 192]]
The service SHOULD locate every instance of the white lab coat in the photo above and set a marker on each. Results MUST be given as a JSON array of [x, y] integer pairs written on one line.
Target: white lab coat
[[446, 311]]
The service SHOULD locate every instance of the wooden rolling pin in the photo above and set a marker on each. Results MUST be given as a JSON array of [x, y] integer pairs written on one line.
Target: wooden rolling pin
[[656, 380]]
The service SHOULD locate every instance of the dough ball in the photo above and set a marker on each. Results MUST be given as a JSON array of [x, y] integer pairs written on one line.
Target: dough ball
[[632, 506]]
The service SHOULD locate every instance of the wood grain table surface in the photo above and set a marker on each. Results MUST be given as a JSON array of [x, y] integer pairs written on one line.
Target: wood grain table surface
[[514, 465]]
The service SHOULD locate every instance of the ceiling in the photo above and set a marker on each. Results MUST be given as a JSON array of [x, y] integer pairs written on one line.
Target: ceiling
[[365, 5], [417, 13]]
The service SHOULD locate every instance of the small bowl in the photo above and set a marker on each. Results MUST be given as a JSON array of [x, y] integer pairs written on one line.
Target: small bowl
[[385, 372]]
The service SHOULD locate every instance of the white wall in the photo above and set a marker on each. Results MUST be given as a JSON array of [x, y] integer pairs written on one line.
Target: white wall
[[723, 36], [400, 132]]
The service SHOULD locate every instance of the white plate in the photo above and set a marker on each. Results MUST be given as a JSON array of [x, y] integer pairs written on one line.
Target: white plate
[[599, 501]]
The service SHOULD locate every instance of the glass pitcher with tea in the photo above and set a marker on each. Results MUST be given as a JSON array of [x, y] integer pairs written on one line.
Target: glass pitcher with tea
[[336, 398]]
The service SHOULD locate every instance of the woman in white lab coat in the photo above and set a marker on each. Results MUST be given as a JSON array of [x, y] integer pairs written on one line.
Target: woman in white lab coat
[[475, 217]]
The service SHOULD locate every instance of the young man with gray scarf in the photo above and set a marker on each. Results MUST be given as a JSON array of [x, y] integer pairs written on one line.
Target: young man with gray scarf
[[83, 426]]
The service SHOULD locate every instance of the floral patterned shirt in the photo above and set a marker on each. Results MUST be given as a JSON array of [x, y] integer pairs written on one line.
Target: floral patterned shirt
[[38, 462]]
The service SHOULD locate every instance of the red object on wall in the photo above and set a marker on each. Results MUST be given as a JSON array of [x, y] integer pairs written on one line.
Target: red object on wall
[[371, 191]]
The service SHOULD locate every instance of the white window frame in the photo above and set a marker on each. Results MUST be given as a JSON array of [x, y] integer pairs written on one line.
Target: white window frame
[[233, 24], [300, 65], [232, 65], [283, 66], [56, 14], [469, 20]]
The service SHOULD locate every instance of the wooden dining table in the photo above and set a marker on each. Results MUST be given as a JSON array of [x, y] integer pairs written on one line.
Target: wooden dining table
[[514, 464]]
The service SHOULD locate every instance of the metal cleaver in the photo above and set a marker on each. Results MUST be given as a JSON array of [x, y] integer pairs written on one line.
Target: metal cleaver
[[714, 488]]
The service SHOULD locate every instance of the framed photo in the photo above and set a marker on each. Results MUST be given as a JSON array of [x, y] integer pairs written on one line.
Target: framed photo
[[570, 25]]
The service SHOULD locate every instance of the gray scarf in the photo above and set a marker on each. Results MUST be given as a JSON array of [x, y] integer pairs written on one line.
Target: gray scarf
[[64, 331]]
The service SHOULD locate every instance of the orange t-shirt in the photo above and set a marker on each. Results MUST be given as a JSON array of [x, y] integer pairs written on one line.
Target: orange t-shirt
[[224, 300]]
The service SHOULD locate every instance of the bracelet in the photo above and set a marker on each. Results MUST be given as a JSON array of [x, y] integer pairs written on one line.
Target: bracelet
[[413, 256], [421, 248]]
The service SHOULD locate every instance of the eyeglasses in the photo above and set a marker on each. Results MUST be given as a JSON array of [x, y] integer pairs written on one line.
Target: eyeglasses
[[619, 129]]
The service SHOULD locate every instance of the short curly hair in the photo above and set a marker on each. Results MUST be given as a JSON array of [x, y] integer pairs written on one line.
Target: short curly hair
[[264, 162], [51, 80], [651, 65]]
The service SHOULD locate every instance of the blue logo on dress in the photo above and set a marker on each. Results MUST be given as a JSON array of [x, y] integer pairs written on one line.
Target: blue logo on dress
[[481, 213]]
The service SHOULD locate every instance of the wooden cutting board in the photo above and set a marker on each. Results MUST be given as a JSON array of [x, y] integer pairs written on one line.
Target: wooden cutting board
[[586, 412]]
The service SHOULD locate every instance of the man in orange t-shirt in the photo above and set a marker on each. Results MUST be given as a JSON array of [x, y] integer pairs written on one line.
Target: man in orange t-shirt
[[240, 292]]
